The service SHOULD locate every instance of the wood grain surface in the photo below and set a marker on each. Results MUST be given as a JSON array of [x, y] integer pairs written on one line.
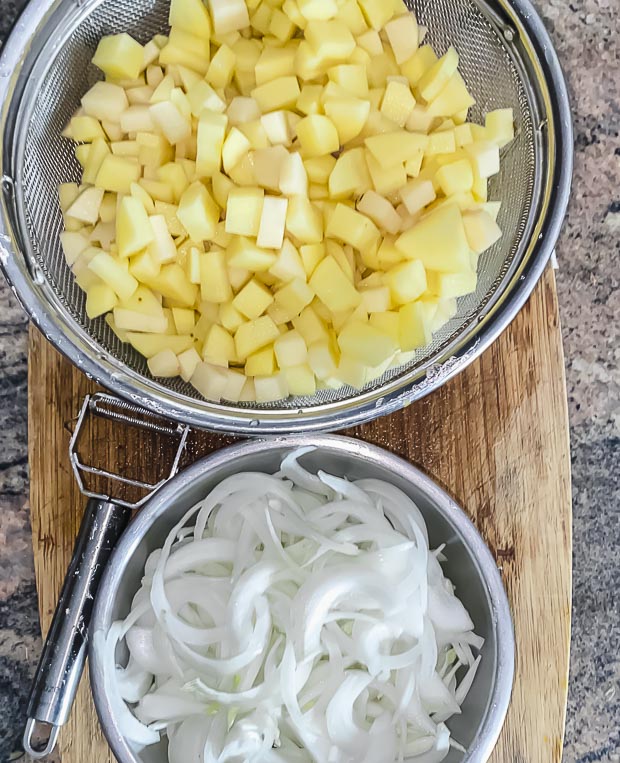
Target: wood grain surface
[[496, 437]]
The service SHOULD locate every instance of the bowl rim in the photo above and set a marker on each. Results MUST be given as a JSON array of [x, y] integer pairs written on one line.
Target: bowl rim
[[518, 19], [499, 700]]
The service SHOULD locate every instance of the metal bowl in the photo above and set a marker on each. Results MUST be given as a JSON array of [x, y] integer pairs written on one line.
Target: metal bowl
[[507, 60], [470, 566]]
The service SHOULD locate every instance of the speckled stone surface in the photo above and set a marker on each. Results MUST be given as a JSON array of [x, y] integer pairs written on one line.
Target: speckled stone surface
[[587, 36]]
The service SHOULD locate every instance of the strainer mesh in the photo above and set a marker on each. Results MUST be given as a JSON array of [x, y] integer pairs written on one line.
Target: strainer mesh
[[486, 65]]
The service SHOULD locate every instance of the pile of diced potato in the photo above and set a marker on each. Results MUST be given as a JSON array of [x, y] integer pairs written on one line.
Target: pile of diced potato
[[280, 195]]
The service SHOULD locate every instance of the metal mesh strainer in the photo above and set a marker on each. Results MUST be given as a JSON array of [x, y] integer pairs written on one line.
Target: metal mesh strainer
[[506, 60]]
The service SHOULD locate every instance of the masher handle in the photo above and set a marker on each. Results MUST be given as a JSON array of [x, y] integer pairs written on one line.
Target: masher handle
[[62, 660]]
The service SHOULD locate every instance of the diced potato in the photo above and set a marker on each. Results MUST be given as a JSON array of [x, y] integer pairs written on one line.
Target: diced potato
[[484, 156], [211, 132], [455, 177], [75, 243], [403, 36], [254, 335], [289, 264], [164, 364], [317, 135], [143, 267], [304, 221], [352, 227], [321, 10], [323, 357], [188, 362], [100, 299], [244, 210], [350, 176], [244, 253], [414, 328], [311, 255], [219, 347], [277, 128], [447, 285], [438, 240], [310, 326], [86, 206], [105, 101], [293, 177], [385, 180], [134, 231], [366, 343], [86, 129], [261, 363], [397, 103], [294, 297], [376, 12], [119, 56], [117, 174], [172, 282], [349, 115], [270, 388], [198, 212], [268, 164], [185, 49], [500, 126], [221, 68], [438, 75], [332, 286], [174, 125], [406, 281], [453, 98], [190, 16], [229, 15], [290, 349], [272, 222], [441, 143], [417, 194], [184, 319], [134, 320], [380, 211], [319, 168], [281, 93], [112, 273], [214, 281], [253, 299], [210, 381], [300, 380], [391, 149], [150, 344], [481, 230]]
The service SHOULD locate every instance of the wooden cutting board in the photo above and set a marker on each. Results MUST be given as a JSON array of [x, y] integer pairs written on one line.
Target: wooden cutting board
[[496, 437]]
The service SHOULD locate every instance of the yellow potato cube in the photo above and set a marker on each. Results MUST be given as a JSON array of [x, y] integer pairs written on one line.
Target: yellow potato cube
[[270, 388], [245, 254], [261, 363], [230, 317], [277, 128], [112, 273], [481, 230], [154, 150], [174, 125], [119, 56], [317, 135], [406, 281], [311, 255], [376, 12], [184, 319], [210, 140], [300, 380], [150, 344], [190, 16], [310, 326], [309, 101], [214, 281], [499, 126], [293, 177], [352, 228], [350, 176], [136, 320], [380, 211], [261, 19], [436, 77], [164, 364], [117, 174], [463, 135], [456, 177], [86, 206], [392, 149], [281, 26], [438, 240], [202, 96], [371, 42], [332, 286], [349, 115], [441, 143], [272, 223], [397, 103], [172, 282], [290, 349], [417, 194], [288, 264], [386, 180], [280, 93], [105, 101], [331, 40], [143, 267], [349, 12], [221, 68], [244, 210], [292, 298], [414, 326], [403, 36], [86, 129], [304, 221], [449, 285], [198, 213], [319, 168], [253, 299], [376, 299], [313, 10], [100, 299], [484, 157], [365, 343], [452, 99], [188, 362], [221, 188], [350, 77], [235, 147], [254, 335], [229, 15], [133, 228], [74, 243], [185, 49], [219, 347], [324, 357]]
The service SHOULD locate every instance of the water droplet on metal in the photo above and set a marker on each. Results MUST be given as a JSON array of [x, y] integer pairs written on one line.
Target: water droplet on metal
[[254, 423]]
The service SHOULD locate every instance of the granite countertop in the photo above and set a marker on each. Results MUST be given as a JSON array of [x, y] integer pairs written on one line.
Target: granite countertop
[[587, 37]]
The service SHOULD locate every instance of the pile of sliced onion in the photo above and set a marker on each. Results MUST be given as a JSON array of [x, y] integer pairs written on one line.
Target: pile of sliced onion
[[301, 618]]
